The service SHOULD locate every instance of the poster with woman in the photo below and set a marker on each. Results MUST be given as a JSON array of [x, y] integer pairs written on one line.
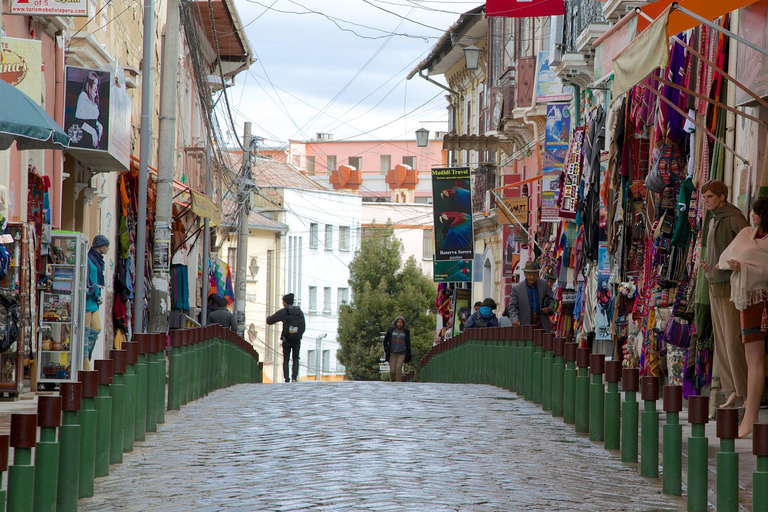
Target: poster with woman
[[86, 110]]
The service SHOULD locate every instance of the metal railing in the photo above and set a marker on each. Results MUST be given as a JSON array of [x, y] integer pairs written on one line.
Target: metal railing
[[578, 15]]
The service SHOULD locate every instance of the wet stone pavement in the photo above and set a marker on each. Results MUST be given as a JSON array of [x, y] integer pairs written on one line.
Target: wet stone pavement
[[357, 446]]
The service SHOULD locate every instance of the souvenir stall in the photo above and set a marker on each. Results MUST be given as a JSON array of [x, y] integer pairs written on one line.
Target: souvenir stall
[[15, 282]]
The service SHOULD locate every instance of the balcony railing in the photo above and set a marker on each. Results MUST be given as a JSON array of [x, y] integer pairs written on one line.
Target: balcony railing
[[485, 180], [578, 16]]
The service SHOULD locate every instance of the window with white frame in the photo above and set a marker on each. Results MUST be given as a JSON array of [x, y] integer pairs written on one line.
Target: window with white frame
[[356, 162], [429, 244], [314, 236], [326, 361], [342, 296], [328, 237], [313, 299], [311, 165], [385, 163], [343, 238], [410, 161], [327, 300], [311, 361]]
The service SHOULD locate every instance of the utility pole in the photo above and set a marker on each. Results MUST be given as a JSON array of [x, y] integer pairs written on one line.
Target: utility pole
[[206, 239], [147, 79], [166, 161], [244, 201]]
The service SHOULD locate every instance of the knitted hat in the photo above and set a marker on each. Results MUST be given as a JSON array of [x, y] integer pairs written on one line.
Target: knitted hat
[[99, 241], [288, 299], [490, 303]]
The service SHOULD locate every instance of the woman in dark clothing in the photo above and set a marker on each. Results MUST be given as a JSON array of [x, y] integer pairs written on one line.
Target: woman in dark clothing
[[397, 348]]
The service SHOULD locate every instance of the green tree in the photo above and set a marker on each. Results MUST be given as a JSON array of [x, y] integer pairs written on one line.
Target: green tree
[[382, 289]]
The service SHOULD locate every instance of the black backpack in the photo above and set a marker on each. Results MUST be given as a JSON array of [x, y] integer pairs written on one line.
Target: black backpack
[[480, 322], [293, 324], [10, 315]]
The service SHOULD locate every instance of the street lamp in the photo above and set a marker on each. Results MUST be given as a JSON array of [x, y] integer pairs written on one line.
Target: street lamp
[[472, 57], [422, 137]]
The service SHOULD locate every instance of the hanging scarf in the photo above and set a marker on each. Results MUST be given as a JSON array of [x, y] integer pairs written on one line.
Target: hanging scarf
[[95, 257], [750, 284]]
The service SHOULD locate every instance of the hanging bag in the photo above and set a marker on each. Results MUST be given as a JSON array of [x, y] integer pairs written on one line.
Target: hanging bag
[[655, 180], [678, 330]]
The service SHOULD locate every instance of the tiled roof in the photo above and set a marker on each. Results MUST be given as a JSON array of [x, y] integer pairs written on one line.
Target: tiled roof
[[271, 173]]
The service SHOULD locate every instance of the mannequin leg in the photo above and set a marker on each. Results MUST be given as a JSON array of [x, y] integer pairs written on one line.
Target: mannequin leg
[[86, 341], [755, 383]]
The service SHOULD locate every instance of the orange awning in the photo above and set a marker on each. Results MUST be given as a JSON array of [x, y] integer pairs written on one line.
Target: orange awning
[[679, 22]]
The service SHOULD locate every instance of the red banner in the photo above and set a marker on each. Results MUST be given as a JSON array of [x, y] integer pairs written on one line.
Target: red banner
[[524, 8]]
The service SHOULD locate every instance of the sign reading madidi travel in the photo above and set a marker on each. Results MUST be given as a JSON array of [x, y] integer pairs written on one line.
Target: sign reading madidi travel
[[452, 196], [50, 7]]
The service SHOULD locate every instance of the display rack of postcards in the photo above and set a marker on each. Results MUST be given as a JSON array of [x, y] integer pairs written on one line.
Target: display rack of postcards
[[14, 295], [62, 310]]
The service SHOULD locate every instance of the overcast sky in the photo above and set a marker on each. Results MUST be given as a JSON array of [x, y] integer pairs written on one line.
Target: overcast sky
[[311, 76]]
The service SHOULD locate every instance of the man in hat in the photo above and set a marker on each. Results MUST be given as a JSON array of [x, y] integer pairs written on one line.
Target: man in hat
[[530, 302], [293, 329]]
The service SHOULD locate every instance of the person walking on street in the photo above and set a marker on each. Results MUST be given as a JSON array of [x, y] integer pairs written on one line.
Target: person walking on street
[[293, 330], [484, 317], [93, 300], [397, 348], [222, 316], [530, 302]]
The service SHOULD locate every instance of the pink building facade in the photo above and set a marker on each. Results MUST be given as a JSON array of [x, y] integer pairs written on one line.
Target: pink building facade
[[396, 170]]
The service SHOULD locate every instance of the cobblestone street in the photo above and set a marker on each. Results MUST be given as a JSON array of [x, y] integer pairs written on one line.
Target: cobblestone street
[[357, 446]]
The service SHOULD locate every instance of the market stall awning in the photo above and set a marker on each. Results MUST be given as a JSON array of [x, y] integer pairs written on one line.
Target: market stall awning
[[648, 51], [679, 21], [204, 207], [24, 121]]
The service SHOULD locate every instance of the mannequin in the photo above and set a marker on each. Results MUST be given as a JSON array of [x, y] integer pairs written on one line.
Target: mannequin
[[93, 300]]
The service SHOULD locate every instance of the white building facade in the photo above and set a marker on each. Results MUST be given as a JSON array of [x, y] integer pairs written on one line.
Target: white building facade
[[324, 230]]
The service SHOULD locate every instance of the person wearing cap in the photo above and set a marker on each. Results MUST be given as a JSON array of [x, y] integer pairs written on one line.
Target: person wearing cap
[[531, 301], [99, 247], [484, 317], [293, 329], [221, 315]]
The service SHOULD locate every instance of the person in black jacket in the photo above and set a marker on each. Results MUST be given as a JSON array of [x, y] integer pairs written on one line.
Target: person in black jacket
[[293, 330], [397, 348]]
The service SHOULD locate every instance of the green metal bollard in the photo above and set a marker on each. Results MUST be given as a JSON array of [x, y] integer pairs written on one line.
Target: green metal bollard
[[69, 448], [538, 362], [174, 381], [506, 355], [727, 461], [698, 417], [142, 383], [612, 422], [672, 462], [103, 417], [597, 398], [88, 420], [152, 384], [47, 453], [512, 333], [569, 384], [117, 392], [131, 384], [582, 391], [162, 342], [21, 475], [530, 349], [558, 373], [196, 360], [649, 433], [760, 477], [630, 382], [521, 361], [546, 372], [186, 366], [4, 451]]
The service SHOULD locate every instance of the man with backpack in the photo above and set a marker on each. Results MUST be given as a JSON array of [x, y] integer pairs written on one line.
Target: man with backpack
[[293, 330], [484, 317]]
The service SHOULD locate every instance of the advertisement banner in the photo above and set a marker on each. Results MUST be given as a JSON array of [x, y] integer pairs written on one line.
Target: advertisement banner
[[511, 251], [21, 66], [452, 198], [556, 140], [604, 294], [462, 310], [97, 118], [452, 271], [50, 7], [517, 206], [549, 87]]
